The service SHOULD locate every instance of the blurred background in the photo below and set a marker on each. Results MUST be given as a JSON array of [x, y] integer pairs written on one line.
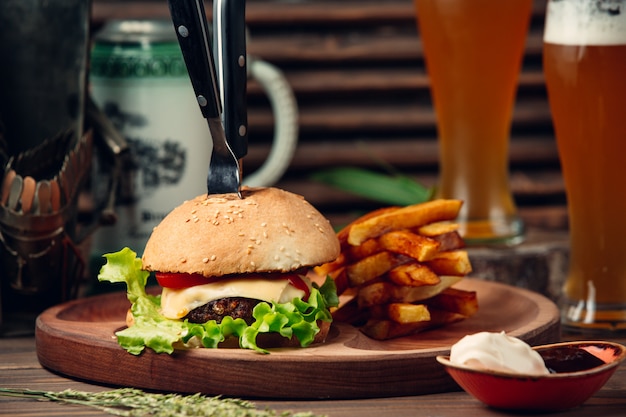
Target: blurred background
[[357, 71]]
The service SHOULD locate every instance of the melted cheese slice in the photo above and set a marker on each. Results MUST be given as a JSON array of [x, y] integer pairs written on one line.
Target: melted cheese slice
[[177, 303]]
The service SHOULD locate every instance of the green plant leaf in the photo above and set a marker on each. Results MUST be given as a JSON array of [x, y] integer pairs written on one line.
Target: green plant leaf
[[389, 189]]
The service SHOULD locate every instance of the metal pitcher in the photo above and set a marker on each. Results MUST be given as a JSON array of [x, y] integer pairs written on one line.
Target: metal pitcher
[[45, 149]]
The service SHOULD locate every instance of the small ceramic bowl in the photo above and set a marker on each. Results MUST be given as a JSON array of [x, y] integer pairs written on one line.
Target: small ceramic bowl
[[564, 389]]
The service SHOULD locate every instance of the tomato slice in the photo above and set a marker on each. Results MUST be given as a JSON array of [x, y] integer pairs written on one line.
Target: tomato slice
[[178, 281], [297, 281]]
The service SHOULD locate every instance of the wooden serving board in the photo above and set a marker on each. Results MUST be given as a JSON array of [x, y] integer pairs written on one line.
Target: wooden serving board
[[77, 339]]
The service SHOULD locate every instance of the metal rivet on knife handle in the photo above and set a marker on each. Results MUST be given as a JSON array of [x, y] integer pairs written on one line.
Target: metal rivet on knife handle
[[183, 31]]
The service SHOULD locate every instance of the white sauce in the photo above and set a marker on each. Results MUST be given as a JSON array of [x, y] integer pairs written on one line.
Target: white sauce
[[497, 352]]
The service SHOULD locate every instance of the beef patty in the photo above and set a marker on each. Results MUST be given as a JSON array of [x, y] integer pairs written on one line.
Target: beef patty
[[235, 307]]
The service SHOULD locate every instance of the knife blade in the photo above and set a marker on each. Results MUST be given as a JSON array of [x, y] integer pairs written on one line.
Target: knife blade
[[192, 31], [229, 41]]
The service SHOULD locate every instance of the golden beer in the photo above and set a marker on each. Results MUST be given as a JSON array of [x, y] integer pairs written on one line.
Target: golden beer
[[585, 70], [473, 51]]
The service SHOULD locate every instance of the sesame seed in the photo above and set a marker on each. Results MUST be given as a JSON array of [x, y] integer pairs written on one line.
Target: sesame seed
[[264, 224], [213, 257], [205, 260]]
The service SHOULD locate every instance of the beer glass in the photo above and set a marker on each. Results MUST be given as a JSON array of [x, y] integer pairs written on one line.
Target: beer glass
[[585, 70], [473, 51]]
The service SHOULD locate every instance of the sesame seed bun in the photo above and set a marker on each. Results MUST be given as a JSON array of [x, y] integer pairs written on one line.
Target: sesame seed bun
[[268, 230]]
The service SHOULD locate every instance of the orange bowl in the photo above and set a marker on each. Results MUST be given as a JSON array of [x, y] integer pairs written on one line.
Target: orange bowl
[[552, 392]]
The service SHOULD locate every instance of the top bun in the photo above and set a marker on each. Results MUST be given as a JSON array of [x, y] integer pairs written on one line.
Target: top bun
[[268, 230]]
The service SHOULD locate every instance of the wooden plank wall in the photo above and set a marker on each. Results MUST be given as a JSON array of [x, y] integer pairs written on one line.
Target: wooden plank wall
[[358, 73]]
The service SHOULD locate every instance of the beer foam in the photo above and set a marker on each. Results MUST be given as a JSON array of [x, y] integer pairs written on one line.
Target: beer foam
[[584, 22]]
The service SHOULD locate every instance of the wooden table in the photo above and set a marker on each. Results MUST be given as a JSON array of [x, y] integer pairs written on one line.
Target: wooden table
[[19, 368]]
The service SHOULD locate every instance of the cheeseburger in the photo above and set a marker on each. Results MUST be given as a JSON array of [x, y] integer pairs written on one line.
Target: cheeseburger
[[232, 271]]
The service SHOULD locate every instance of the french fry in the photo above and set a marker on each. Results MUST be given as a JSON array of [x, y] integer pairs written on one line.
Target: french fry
[[397, 268], [368, 248], [327, 268], [455, 300], [374, 294], [440, 318], [343, 233], [407, 312], [438, 228], [383, 292], [450, 263], [388, 329], [402, 294], [449, 241], [403, 218], [384, 329], [413, 274], [341, 280], [410, 244], [370, 268]]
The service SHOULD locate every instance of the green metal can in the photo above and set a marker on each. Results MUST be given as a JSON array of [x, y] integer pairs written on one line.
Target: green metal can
[[138, 78]]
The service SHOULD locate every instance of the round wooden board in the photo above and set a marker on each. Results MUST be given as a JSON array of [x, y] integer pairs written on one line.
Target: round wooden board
[[77, 339]]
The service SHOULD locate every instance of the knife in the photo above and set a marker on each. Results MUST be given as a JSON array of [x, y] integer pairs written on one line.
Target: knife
[[192, 30], [229, 44]]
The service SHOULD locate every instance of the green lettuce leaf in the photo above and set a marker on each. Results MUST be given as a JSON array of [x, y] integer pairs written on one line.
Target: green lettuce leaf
[[151, 329]]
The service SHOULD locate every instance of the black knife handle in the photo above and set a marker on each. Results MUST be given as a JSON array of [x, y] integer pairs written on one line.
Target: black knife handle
[[193, 34], [229, 25]]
